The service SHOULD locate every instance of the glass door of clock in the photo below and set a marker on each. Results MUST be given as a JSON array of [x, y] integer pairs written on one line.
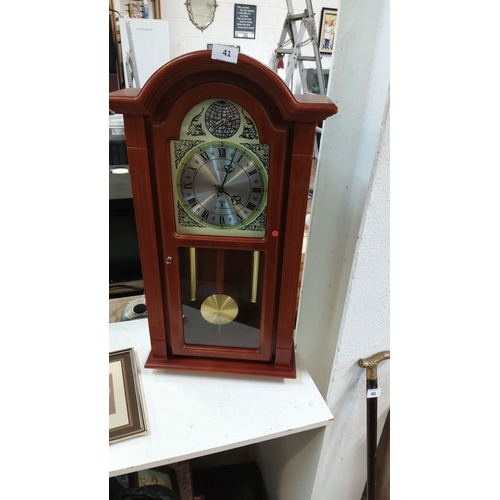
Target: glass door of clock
[[221, 294]]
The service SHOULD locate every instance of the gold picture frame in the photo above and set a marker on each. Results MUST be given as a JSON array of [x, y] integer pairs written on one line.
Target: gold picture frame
[[164, 476], [127, 416]]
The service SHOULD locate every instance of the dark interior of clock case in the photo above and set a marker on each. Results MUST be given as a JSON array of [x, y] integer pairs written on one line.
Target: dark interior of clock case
[[233, 275]]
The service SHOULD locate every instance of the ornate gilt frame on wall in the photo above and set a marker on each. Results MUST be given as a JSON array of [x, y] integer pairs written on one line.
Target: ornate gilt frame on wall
[[193, 16]]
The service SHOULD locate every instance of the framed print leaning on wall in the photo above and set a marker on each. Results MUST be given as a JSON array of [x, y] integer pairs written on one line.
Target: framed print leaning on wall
[[127, 417], [326, 30]]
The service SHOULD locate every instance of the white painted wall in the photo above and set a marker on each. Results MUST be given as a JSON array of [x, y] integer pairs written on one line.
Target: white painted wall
[[359, 85], [364, 331], [289, 465], [271, 14], [344, 307]]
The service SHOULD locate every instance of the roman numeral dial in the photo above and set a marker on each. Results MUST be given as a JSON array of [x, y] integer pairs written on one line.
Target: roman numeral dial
[[222, 185]]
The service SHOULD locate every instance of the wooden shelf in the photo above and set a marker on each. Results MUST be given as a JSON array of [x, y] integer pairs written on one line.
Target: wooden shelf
[[192, 415]]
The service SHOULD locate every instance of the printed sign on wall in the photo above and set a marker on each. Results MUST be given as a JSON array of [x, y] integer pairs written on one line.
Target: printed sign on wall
[[245, 17]]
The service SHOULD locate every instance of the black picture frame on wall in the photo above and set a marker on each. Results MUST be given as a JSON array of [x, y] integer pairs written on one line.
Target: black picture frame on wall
[[245, 20], [327, 34]]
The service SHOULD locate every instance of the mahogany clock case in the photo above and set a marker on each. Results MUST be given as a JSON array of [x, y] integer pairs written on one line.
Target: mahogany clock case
[[252, 265]]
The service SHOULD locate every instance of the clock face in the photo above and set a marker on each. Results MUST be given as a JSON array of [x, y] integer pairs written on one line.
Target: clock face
[[220, 172], [222, 185]]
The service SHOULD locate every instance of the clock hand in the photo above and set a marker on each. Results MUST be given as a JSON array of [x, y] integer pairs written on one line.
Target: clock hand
[[235, 200], [220, 188], [228, 170]]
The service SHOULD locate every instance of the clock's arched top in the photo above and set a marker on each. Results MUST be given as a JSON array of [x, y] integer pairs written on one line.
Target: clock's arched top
[[187, 71]]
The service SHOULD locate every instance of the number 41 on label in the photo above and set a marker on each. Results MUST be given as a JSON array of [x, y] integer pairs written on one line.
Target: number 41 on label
[[227, 53]]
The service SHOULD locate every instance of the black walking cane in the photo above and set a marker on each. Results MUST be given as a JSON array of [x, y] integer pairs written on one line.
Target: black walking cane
[[371, 364]]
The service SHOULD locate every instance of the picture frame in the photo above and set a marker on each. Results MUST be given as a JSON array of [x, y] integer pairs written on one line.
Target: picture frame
[[327, 34], [245, 21], [127, 415], [164, 476]]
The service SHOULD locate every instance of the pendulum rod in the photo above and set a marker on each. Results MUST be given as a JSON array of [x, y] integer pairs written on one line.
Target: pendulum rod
[[192, 269], [255, 277]]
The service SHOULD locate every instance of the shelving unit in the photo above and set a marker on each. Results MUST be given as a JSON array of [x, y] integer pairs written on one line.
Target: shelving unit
[[192, 415]]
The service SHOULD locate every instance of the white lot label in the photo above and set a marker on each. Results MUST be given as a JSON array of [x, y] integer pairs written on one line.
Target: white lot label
[[226, 53], [373, 393]]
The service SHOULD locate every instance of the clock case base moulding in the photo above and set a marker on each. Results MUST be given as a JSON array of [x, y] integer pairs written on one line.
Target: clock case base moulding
[[235, 367]]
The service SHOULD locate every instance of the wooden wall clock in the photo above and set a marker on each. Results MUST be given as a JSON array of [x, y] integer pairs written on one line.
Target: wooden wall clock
[[220, 160]]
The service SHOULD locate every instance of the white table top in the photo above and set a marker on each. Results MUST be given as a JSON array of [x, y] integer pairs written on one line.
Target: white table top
[[195, 414]]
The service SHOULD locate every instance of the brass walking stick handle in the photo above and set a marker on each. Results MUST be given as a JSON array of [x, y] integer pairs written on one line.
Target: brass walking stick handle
[[372, 362]]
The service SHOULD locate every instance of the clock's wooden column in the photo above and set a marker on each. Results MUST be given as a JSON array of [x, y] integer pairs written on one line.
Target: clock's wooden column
[[300, 174], [141, 180]]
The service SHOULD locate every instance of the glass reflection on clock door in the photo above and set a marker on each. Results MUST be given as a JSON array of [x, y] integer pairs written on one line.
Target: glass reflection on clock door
[[221, 296]]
